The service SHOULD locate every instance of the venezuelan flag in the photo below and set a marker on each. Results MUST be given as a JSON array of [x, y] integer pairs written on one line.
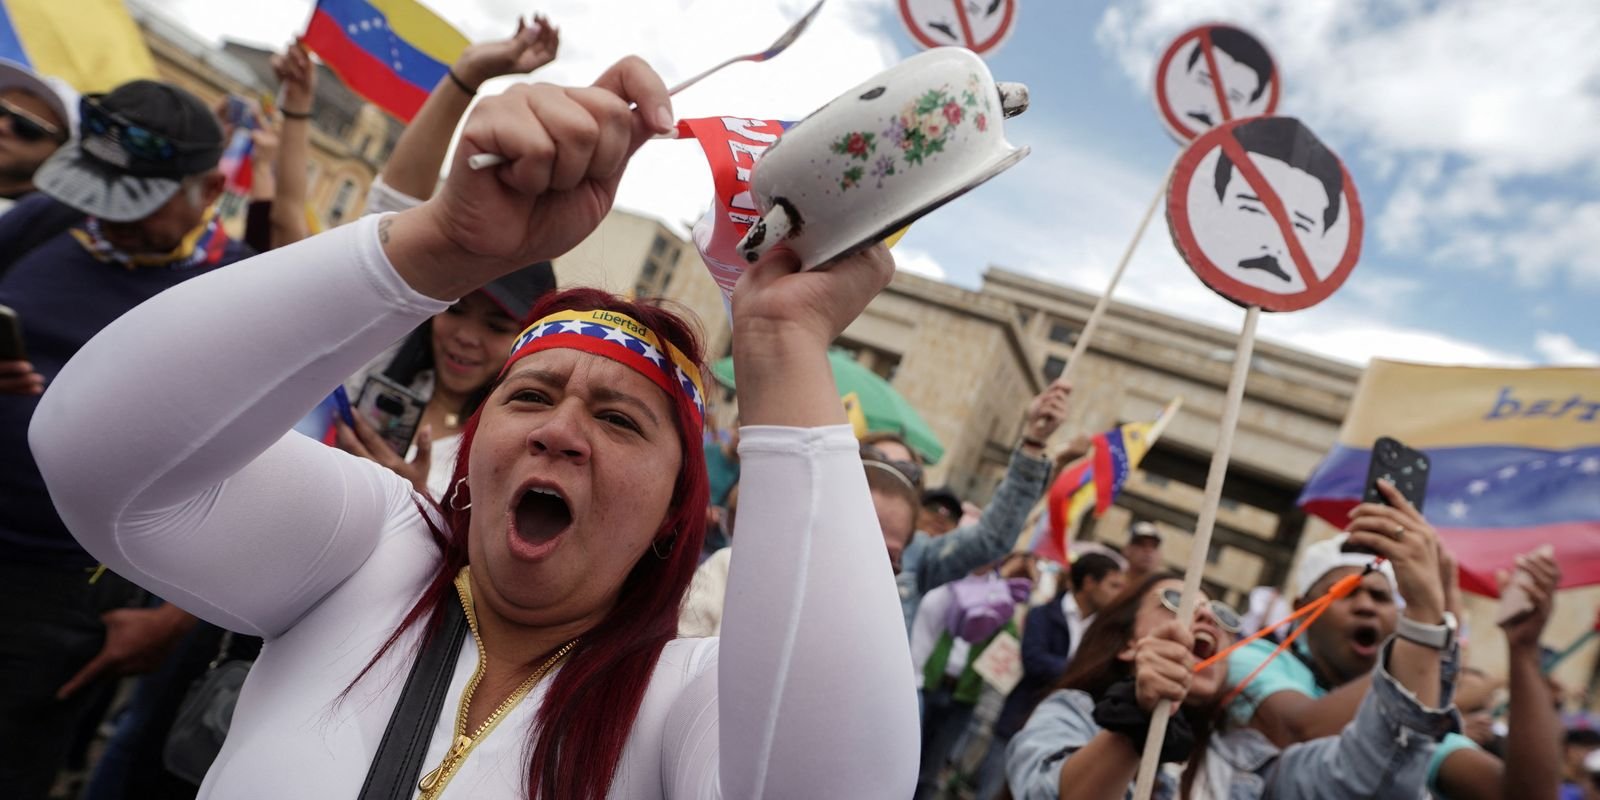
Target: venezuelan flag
[[91, 44], [1095, 482], [1515, 460], [392, 52]]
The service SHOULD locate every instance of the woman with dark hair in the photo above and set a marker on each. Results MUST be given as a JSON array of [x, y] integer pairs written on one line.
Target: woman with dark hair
[[450, 362], [1084, 741], [573, 521]]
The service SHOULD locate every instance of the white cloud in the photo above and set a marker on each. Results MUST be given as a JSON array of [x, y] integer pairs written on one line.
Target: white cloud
[[1560, 349], [910, 259]]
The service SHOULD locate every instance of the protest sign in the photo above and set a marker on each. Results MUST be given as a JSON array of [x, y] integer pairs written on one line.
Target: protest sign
[[1265, 214], [1213, 74], [979, 27]]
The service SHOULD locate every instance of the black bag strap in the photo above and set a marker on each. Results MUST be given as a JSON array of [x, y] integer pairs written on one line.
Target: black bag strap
[[398, 762]]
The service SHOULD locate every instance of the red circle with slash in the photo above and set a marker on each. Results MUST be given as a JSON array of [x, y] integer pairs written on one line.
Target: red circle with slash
[[944, 23], [1262, 233], [1189, 96]]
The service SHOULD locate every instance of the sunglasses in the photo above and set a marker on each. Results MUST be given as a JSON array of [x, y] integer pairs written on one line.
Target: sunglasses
[[1227, 618], [27, 127], [912, 472], [135, 140]]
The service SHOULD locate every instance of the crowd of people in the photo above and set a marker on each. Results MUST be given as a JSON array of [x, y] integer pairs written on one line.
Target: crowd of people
[[289, 618]]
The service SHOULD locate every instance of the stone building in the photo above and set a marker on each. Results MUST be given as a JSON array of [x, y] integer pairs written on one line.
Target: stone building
[[350, 138]]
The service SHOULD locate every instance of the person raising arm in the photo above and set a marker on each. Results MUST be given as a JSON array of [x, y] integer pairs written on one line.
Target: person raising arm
[[572, 526]]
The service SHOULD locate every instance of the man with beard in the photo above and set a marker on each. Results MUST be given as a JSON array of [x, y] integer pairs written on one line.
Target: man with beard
[[1315, 687]]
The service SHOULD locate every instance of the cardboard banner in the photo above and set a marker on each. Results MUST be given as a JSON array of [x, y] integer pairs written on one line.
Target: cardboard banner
[[1214, 74], [1265, 214], [979, 27]]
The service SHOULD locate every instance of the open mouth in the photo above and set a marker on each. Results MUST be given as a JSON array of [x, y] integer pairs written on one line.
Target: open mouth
[[1205, 645], [1365, 640], [541, 516]]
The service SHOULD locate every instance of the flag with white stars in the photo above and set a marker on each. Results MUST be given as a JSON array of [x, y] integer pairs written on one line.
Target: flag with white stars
[[1515, 460], [621, 338], [391, 52]]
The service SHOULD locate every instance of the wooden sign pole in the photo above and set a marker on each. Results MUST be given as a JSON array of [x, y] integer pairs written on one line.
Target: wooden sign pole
[[1202, 536], [1089, 326]]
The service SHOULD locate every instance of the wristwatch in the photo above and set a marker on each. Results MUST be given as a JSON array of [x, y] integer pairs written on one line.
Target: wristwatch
[[1438, 637]]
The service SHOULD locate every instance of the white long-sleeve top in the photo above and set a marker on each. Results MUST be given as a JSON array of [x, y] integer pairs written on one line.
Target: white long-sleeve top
[[163, 444]]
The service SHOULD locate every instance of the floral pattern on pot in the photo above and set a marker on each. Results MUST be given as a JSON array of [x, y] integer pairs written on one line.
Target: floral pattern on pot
[[921, 129]]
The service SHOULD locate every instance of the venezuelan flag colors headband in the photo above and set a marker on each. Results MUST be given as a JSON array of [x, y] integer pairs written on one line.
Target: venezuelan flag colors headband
[[620, 338]]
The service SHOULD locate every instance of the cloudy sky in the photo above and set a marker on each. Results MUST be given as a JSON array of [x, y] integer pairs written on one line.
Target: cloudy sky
[[1471, 127]]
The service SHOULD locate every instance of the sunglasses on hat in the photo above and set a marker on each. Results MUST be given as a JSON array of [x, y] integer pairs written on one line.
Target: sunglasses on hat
[[1227, 618], [134, 139], [29, 128]]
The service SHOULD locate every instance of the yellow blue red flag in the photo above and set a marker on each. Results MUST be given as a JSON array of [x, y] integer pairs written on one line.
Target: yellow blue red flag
[[1514, 460], [91, 44], [392, 52], [1096, 482]]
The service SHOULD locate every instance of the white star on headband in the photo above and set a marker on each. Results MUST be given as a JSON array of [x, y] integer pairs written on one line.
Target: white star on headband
[[616, 335], [572, 326], [653, 354]]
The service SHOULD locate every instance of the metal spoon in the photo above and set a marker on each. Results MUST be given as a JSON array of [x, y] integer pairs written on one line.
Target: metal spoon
[[483, 160]]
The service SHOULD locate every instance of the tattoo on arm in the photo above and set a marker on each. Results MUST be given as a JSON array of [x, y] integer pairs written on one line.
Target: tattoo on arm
[[383, 229]]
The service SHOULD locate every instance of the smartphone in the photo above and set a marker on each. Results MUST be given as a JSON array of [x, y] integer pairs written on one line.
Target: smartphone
[[1402, 466], [393, 411], [11, 348]]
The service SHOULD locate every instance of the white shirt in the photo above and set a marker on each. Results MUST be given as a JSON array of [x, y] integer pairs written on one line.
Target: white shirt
[[321, 553], [1077, 623]]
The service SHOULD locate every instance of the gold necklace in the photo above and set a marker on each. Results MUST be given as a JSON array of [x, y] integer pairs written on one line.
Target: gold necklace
[[434, 782]]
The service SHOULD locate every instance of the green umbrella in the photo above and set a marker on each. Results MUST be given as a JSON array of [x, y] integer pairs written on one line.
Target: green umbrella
[[886, 410]]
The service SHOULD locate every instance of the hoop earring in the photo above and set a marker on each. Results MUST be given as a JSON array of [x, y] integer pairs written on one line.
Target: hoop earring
[[455, 495], [655, 546]]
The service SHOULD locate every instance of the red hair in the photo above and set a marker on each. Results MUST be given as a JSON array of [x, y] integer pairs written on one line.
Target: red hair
[[576, 746]]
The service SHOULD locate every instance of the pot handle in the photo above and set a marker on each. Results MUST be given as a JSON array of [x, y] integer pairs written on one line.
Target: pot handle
[[773, 227], [1013, 97]]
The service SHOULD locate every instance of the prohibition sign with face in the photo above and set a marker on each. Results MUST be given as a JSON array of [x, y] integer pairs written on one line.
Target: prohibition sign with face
[[1214, 74], [1265, 214], [978, 25]]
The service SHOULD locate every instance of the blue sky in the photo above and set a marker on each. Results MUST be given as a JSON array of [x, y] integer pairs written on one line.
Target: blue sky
[[1472, 129]]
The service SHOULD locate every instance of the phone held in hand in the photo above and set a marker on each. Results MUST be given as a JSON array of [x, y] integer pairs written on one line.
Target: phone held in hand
[[1400, 465], [394, 411], [239, 113], [11, 348]]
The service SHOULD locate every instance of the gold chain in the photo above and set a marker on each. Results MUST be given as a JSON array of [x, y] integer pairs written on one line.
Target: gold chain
[[433, 783]]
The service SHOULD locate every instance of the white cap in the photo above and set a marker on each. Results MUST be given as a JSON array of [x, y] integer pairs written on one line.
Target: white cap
[[1325, 556], [60, 96]]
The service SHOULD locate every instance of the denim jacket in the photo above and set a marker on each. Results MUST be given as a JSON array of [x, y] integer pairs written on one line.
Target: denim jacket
[[1382, 753], [929, 562]]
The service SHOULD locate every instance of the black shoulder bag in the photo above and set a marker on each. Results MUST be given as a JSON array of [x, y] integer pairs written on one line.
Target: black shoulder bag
[[398, 763]]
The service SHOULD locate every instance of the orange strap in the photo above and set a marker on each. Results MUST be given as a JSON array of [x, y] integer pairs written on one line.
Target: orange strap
[[1310, 611]]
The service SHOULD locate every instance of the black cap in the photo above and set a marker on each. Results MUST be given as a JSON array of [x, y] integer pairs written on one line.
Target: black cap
[[98, 175], [516, 293]]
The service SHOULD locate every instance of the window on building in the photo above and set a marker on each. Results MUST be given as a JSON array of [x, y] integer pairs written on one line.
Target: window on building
[[1155, 480], [1053, 367], [342, 200], [1062, 333], [1214, 553], [1024, 315], [649, 270], [659, 246], [883, 363]]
